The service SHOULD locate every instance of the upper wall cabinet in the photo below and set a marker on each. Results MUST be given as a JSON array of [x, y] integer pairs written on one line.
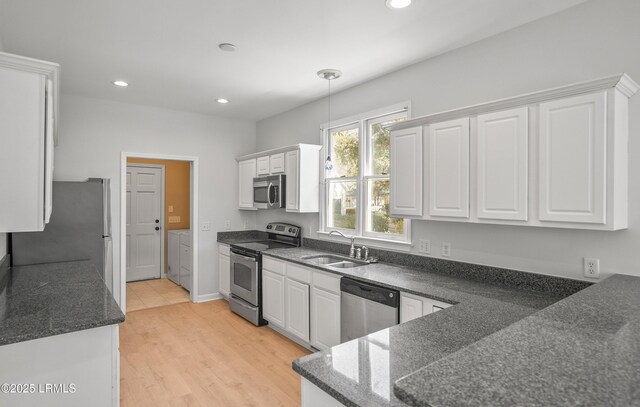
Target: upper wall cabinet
[[301, 165], [555, 158], [502, 162], [573, 148], [247, 170], [449, 168], [28, 108], [406, 172]]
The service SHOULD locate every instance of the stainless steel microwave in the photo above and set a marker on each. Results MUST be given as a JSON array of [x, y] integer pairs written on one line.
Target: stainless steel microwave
[[269, 192]]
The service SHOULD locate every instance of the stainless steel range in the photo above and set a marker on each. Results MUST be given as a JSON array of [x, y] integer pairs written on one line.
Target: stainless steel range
[[246, 269]]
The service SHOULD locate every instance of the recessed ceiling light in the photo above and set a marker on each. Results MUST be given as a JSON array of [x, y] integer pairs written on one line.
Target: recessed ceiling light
[[122, 84], [222, 100], [398, 3], [225, 46]]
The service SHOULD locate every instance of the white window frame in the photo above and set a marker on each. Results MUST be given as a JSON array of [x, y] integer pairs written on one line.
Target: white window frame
[[362, 122]]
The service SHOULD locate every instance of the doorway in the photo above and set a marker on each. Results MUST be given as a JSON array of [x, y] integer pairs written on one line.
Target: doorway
[[158, 197]]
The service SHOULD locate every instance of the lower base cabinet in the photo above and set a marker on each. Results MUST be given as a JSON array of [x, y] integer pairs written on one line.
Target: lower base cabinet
[[273, 298], [314, 396], [83, 365], [297, 309], [224, 268], [413, 306]]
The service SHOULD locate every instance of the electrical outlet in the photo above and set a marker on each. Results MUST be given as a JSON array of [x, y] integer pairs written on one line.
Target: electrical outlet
[[244, 224], [446, 249], [170, 208], [425, 246], [227, 225], [206, 226], [591, 267]]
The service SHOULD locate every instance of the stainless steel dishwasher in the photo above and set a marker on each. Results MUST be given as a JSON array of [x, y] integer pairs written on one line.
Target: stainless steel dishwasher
[[366, 308]]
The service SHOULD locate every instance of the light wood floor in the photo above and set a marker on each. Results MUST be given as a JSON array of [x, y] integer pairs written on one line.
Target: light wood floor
[[204, 355], [154, 293]]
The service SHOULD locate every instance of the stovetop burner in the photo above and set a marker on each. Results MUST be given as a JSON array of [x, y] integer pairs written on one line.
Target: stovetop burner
[[280, 235]]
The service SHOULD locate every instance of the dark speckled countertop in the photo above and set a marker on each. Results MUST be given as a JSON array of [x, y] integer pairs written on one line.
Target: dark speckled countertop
[[52, 299], [363, 372]]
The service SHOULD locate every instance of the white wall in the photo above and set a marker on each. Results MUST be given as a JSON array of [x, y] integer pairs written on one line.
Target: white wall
[[94, 132], [592, 40]]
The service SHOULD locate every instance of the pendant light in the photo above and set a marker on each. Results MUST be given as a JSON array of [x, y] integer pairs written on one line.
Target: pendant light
[[329, 75]]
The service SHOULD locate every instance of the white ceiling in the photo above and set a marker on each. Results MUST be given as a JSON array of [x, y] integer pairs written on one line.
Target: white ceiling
[[167, 49]]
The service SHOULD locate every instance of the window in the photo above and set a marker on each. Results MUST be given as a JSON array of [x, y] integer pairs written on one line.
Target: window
[[356, 195]]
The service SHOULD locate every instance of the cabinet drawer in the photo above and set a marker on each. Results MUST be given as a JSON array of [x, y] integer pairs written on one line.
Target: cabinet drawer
[[224, 250], [326, 282], [299, 273], [185, 238], [272, 265]]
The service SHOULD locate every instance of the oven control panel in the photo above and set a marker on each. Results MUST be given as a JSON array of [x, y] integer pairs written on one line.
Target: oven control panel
[[284, 229]]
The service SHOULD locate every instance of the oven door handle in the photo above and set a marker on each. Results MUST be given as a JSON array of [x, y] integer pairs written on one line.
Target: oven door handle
[[251, 259], [269, 188]]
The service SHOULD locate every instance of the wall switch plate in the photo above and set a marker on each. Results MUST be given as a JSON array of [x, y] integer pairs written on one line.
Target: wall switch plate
[[206, 226], [425, 246], [591, 267], [446, 249], [174, 219], [170, 208], [227, 225]]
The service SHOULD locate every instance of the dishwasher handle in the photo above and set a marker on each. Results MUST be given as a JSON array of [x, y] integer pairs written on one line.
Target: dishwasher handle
[[371, 292]]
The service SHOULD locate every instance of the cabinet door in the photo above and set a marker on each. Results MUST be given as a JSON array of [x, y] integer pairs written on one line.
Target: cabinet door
[[246, 173], [22, 155], [502, 174], [292, 192], [173, 257], [225, 272], [276, 163], [410, 308], [273, 298], [325, 319], [572, 154], [449, 168], [297, 309], [406, 172], [262, 165]]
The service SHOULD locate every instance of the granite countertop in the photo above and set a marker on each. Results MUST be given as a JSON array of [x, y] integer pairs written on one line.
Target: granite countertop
[[363, 372], [583, 350], [241, 236], [52, 299]]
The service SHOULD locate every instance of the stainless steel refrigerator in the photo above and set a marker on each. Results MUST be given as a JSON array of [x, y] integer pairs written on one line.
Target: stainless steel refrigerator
[[79, 229]]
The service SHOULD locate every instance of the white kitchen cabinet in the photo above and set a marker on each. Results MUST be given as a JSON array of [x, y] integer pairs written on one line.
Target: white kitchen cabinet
[[224, 269], [449, 168], [502, 160], [273, 298], [28, 111], [262, 164], [247, 171], [405, 172], [572, 166], [88, 359], [303, 179], [173, 256], [276, 163], [413, 306], [297, 309], [325, 318]]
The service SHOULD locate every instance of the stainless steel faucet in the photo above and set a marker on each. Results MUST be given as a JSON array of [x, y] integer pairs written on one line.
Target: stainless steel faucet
[[352, 250]]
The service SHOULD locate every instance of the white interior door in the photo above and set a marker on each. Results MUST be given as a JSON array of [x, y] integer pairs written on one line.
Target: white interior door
[[144, 227]]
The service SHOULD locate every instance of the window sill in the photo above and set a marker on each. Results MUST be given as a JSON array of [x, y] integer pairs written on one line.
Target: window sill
[[398, 245]]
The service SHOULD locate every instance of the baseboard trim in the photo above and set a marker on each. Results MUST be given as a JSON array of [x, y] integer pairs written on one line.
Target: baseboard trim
[[209, 297]]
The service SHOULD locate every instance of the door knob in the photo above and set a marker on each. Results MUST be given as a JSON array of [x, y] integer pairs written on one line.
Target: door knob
[[157, 220], [157, 228]]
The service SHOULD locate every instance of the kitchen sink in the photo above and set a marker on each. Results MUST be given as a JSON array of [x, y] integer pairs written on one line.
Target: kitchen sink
[[323, 259], [345, 265], [332, 261]]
